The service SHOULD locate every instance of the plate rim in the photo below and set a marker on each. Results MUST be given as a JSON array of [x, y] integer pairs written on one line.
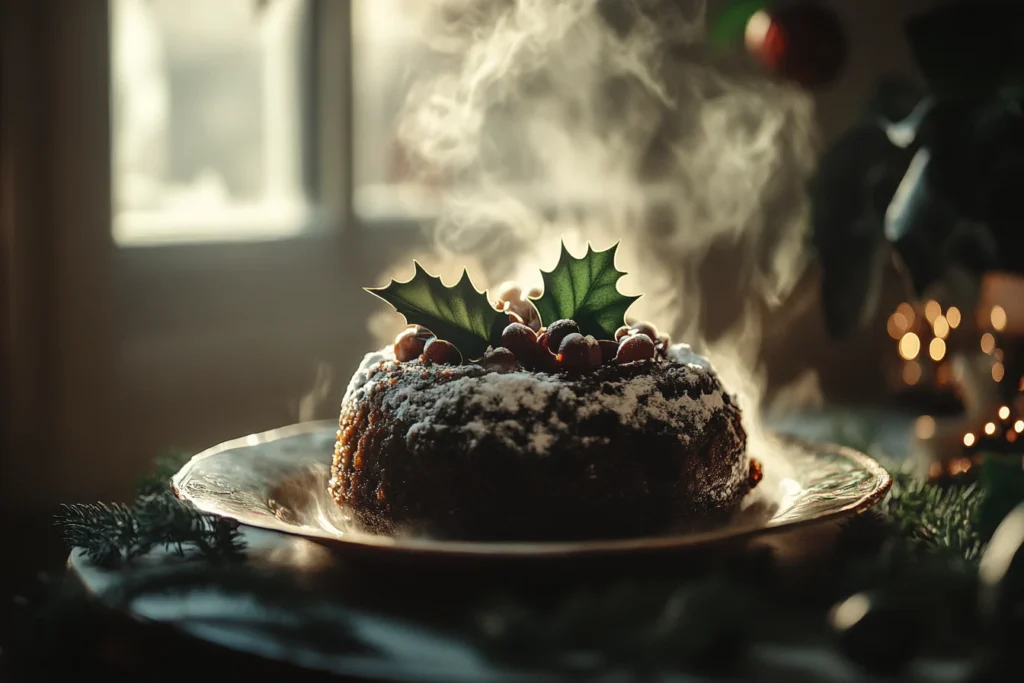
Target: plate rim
[[531, 549]]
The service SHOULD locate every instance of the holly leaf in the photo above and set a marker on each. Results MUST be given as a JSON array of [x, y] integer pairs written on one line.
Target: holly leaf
[[458, 314], [584, 290]]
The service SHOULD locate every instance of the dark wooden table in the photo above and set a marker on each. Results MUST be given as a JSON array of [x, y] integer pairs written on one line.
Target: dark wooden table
[[223, 633]]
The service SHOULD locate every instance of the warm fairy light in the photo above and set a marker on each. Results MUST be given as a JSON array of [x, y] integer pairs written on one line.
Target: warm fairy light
[[959, 466], [968, 439], [942, 374], [940, 327], [998, 371], [1004, 412], [1011, 436], [932, 310], [998, 318], [953, 317], [937, 349], [911, 372], [907, 311], [910, 346], [1018, 426], [997, 354], [925, 427], [1020, 386], [990, 428], [897, 325], [988, 342]]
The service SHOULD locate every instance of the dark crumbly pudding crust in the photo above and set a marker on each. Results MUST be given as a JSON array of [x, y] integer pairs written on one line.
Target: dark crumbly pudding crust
[[465, 452]]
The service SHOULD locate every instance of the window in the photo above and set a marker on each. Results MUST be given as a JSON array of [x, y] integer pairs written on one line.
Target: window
[[210, 119], [214, 113]]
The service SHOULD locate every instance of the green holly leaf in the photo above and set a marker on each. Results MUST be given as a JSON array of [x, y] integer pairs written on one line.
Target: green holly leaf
[[458, 314], [584, 290]]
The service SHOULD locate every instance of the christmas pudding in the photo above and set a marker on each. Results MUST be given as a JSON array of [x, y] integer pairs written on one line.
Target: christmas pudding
[[481, 423]]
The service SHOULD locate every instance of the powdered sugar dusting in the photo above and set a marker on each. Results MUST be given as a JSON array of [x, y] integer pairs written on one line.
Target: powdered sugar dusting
[[532, 412], [367, 367]]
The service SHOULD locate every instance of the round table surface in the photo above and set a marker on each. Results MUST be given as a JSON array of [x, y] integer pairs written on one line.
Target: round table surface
[[382, 613]]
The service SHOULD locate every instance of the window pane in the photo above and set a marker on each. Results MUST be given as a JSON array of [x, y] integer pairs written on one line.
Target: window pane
[[388, 56], [208, 127]]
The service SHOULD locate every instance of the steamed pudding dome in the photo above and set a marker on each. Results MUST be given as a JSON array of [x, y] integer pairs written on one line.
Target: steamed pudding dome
[[493, 451]]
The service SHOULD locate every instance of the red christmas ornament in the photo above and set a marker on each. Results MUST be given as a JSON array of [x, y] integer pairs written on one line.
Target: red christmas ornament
[[801, 42]]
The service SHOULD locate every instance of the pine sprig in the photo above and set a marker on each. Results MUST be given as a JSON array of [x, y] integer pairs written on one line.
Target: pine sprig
[[114, 534], [106, 532], [937, 518], [924, 517]]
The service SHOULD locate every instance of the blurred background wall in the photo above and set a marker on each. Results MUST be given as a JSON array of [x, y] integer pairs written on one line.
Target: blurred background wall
[[193, 193]]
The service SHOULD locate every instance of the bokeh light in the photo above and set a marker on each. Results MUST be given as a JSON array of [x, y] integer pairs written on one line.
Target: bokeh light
[[911, 372], [910, 346], [988, 342], [998, 371], [924, 428], [998, 318], [897, 325]]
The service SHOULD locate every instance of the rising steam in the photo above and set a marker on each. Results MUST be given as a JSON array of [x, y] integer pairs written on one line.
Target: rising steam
[[607, 120]]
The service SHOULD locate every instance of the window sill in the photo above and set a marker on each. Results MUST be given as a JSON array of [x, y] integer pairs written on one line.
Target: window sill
[[265, 222]]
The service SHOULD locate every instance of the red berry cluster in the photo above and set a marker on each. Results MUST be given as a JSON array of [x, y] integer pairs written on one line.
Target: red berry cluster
[[562, 347], [559, 347], [419, 342]]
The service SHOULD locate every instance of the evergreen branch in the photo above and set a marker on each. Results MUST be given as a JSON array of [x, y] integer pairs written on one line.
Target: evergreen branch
[[939, 519], [112, 534], [106, 532]]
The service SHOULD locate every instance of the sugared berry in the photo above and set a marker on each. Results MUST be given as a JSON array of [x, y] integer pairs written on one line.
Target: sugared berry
[[410, 342], [637, 346], [576, 354], [500, 359], [559, 330], [608, 350], [662, 343], [442, 352], [621, 332], [644, 328], [522, 341]]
